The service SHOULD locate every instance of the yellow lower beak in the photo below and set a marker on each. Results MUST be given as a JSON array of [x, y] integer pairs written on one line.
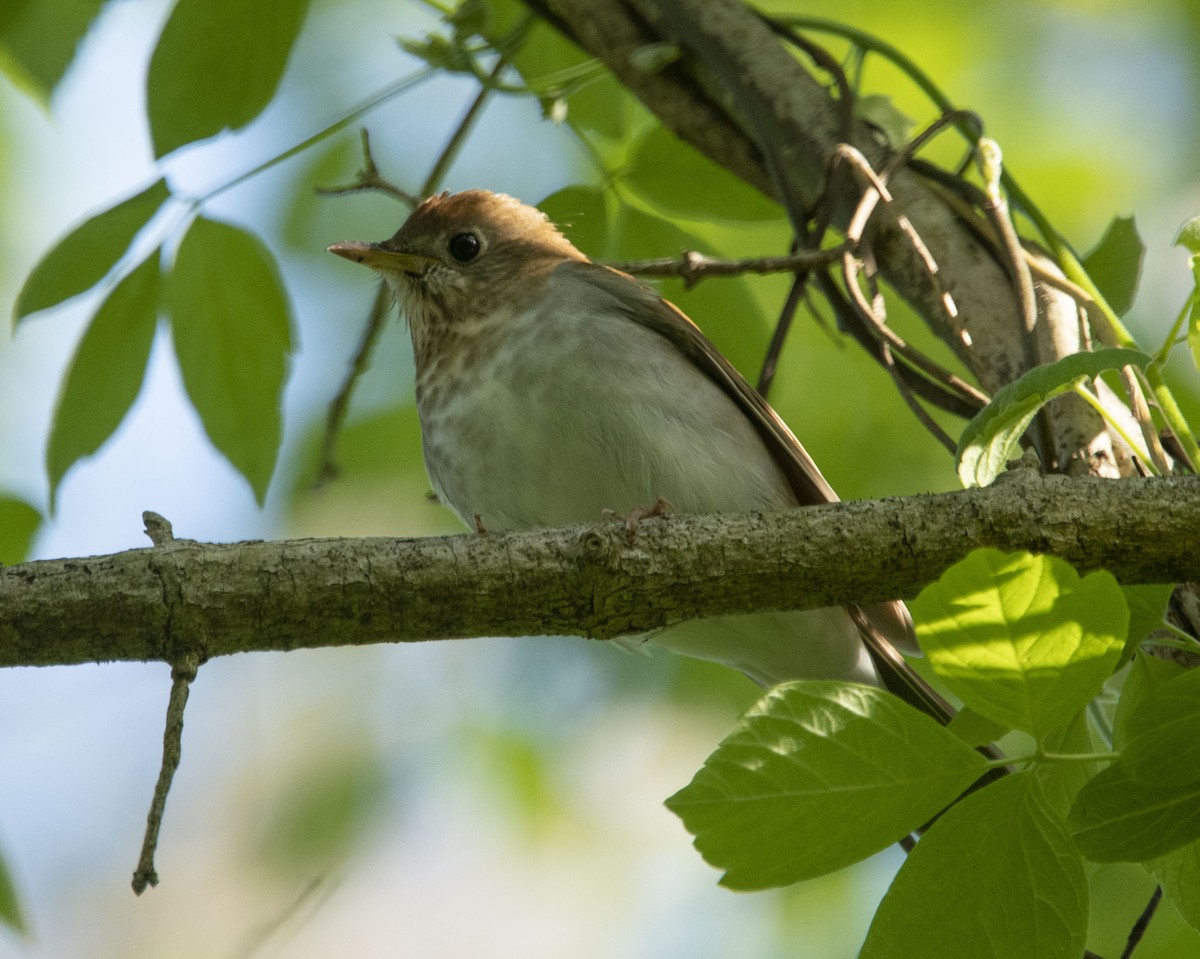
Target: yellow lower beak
[[378, 257]]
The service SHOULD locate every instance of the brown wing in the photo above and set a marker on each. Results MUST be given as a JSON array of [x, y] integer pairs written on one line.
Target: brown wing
[[883, 625], [651, 310]]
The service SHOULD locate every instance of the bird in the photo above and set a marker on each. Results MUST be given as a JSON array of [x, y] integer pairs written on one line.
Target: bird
[[552, 389]]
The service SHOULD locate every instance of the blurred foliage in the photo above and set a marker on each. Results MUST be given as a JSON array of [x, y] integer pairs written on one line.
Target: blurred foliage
[[1075, 90]]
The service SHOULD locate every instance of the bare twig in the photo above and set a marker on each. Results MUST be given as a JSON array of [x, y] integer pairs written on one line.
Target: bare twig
[[1139, 927], [368, 178], [182, 675], [693, 267], [454, 144], [335, 414]]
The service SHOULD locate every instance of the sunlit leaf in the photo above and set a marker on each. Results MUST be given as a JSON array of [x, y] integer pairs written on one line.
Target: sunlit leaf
[[990, 439], [18, 522], [231, 327], [39, 39], [816, 776], [106, 372], [216, 66], [995, 876], [1022, 639], [1116, 818], [1115, 265], [85, 255]]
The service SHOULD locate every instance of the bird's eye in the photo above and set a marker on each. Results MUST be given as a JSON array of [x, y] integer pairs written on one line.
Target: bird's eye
[[464, 247]]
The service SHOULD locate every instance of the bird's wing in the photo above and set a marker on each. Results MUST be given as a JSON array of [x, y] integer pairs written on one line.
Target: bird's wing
[[891, 619], [648, 308]]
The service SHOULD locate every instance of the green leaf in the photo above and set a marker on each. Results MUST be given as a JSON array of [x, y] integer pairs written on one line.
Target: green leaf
[[216, 66], [996, 876], [816, 776], [39, 39], [107, 371], [10, 905], [1115, 265], [582, 216], [231, 327], [85, 255], [1145, 675], [1188, 236], [1178, 873], [727, 311], [1162, 745], [677, 179], [990, 439], [1147, 611], [1022, 639], [18, 522], [1116, 818]]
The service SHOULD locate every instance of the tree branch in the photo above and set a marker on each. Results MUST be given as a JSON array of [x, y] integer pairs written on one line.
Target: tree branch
[[185, 598]]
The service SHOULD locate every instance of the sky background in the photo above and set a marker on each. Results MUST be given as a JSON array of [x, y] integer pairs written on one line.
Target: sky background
[[488, 798]]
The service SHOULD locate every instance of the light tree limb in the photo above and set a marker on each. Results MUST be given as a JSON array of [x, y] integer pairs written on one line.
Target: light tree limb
[[213, 600]]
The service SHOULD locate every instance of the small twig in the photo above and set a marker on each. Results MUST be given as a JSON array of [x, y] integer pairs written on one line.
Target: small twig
[[692, 267], [335, 414], [1141, 412], [158, 528], [766, 375], [992, 167], [368, 178], [1139, 927], [182, 675], [450, 150]]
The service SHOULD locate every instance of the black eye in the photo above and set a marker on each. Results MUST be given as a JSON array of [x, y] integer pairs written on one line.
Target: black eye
[[464, 247]]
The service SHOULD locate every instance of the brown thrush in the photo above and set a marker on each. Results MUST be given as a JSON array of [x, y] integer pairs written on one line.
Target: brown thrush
[[551, 388]]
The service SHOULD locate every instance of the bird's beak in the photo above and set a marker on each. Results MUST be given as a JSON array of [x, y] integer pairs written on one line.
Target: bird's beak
[[379, 257]]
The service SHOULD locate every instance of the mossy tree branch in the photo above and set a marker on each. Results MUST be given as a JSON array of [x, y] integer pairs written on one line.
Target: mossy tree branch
[[184, 599]]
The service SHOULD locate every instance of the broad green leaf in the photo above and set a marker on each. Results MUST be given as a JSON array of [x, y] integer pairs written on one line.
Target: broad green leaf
[[1178, 873], [974, 729], [10, 906], [1146, 674], [1115, 818], [84, 256], [1060, 782], [39, 38], [1022, 639], [727, 311], [996, 876], [231, 327], [1147, 611], [990, 439], [107, 371], [18, 522], [816, 776], [1162, 741], [1115, 265], [677, 179], [582, 216], [216, 66]]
